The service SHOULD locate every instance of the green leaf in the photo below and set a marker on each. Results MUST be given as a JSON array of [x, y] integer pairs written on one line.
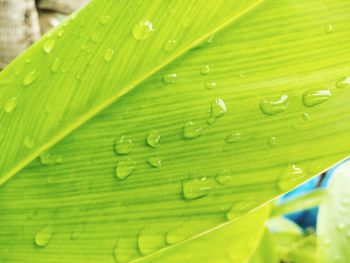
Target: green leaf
[[266, 251], [333, 218], [258, 123]]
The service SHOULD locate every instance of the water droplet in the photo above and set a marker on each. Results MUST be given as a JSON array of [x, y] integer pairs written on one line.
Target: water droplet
[[109, 54], [28, 142], [223, 177], [56, 65], [29, 78], [104, 20], [314, 97], [153, 139], [217, 110], [49, 45], [289, 177], [154, 161], [48, 159], [343, 83], [210, 85], [170, 45], [10, 105], [240, 208], [306, 116], [233, 137], [149, 241], [194, 188], [125, 168], [142, 30], [60, 33], [169, 78], [191, 130], [123, 146], [95, 37], [176, 235], [43, 237], [274, 106], [329, 28], [272, 141], [205, 71]]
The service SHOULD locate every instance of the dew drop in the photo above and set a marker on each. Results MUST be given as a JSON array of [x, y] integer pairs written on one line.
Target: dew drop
[[233, 137], [210, 85], [49, 45], [274, 106], [170, 46], [343, 83], [29, 78], [28, 142], [149, 241], [239, 208], [191, 130], [125, 168], [223, 176], [217, 110], [60, 33], [306, 116], [109, 54], [289, 177], [10, 105], [176, 235], [56, 65], [329, 28], [272, 141], [48, 159], [104, 20], [314, 97], [154, 161], [194, 188], [142, 30], [153, 139], [169, 78], [95, 37], [121, 254], [205, 70], [43, 237], [123, 146]]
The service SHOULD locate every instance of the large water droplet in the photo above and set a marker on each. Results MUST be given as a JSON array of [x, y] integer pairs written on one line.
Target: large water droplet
[[56, 65], [10, 105], [125, 168], [191, 130], [43, 237], [121, 254], [49, 45], [223, 177], [169, 78], [274, 106], [149, 241], [28, 142], [153, 139], [142, 30], [233, 137], [217, 110], [29, 78], [314, 97], [48, 159], [109, 54], [289, 177], [154, 161], [205, 70], [170, 46], [343, 83], [123, 146], [240, 208], [194, 188]]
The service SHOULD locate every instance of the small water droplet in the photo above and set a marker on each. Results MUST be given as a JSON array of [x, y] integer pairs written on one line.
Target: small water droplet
[[205, 70], [49, 45], [274, 106], [95, 37], [56, 65], [169, 78], [48, 159], [153, 139], [29, 78], [109, 54], [194, 188], [329, 28], [149, 241], [223, 177], [28, 61], [289, 177], [43, 237], [306, 116], [210, 85], [123, 146], [191, 130], [314, 97], [240, 208], [154, 161], [217, 110], [142, 30], [233, 137], [170, 45], [125, 168], [28, 142], [343, 83], [104, 20], [60, 33], [10, 105], [272, 141]]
